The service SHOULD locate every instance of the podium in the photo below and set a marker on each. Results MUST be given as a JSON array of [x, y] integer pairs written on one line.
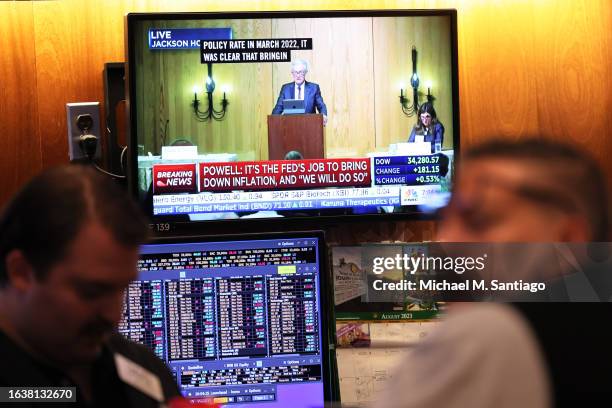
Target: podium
[[303, 133]]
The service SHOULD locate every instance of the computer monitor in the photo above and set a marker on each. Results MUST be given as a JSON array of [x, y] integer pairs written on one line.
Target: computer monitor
[[241, 320], [293, 106]]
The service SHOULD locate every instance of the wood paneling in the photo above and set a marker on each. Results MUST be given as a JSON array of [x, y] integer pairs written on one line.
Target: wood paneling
[[393, 41], [20, 153], [173, 74], [576, 56], [525, 67], [73, 41], [498, 79], [537, 68], [341, 63]]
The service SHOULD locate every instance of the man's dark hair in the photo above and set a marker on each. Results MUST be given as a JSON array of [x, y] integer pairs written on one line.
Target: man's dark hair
[[570, 171], [45, 217], [294, 155]]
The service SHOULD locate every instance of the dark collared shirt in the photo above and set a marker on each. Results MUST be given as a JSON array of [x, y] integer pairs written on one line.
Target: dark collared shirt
[[18, 368]]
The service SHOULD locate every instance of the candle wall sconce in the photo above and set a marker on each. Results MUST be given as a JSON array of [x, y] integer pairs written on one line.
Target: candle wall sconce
[[210, 112], [410, 109]]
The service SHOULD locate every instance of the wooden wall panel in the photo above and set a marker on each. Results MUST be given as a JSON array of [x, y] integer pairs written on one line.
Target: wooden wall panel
[[498, 86], [537, 68], [20, 153], [341, 63], [393, 41], [173, 74], [574, 82]]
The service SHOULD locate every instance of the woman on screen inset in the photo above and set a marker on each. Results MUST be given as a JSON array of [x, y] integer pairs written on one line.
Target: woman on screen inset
[[428, 128]]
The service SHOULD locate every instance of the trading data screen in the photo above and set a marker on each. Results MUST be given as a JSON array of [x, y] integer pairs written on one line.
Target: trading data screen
[[236, 321]]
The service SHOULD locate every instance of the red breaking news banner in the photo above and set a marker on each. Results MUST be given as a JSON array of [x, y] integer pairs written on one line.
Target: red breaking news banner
[[283, 174], [174, 178]]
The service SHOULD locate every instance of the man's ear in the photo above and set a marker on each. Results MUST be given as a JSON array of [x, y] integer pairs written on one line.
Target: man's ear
[[20, 272]]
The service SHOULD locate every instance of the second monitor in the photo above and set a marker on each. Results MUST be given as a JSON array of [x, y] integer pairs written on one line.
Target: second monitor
[[237, 320]]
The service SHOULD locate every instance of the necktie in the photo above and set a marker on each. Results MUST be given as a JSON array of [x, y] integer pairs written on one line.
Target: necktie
[[299, 92]]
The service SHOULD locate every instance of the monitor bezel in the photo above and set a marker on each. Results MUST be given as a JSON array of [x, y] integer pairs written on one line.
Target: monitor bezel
[[162, 225], [329, 374]]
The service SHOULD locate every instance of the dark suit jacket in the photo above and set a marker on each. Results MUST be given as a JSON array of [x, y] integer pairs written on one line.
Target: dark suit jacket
[[312, 98], [436, 136], [19, 369]]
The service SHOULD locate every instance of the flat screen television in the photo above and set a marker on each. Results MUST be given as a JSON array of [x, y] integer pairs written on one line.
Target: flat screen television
[[239, 320], [279, 116]]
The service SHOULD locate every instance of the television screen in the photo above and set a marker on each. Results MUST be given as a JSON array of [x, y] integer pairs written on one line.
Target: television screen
[[239, 321], [285, 115]]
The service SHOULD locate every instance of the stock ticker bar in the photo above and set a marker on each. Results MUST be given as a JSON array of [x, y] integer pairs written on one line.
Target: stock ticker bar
[[276, 200], [229, 258], [381, 181], [260, 175], [406, 170]]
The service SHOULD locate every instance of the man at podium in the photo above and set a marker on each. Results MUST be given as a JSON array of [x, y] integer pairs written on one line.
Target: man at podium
[[299, 89]]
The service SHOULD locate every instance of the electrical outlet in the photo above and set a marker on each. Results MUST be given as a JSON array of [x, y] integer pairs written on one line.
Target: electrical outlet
[[73, 111]]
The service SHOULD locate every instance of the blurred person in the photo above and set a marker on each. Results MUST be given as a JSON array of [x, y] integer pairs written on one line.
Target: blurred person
[[522, 354], [481, 355], [69, 247], [525, 191], [428, 127], [299, 88]]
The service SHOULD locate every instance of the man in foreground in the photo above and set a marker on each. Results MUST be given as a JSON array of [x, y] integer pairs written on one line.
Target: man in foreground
[[520, 355], [68, 248], [527, 191]]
